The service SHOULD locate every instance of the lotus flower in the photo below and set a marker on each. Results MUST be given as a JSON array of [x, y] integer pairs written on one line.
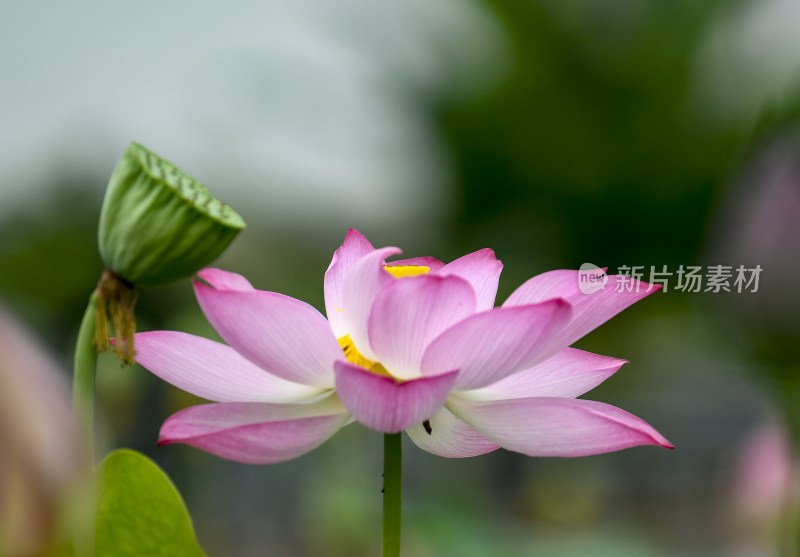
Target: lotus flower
[[412, 345], [42, 450]]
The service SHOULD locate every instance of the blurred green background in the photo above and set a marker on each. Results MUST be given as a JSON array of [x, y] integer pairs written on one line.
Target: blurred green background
[[556, 132]]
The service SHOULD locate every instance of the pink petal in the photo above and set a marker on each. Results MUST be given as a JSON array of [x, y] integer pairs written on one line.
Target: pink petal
[[589, 311], [225, 280], [383, 404], [568, 374], [255, 433], [450, 437], [213, 370], [362, 284], [482, 269], [543, 426], [354, 247], [561, 283], [424, 261], [409, 313], [285, 336], [488, 346]]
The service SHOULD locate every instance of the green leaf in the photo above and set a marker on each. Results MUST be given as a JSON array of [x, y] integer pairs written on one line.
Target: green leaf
[[139, 511]]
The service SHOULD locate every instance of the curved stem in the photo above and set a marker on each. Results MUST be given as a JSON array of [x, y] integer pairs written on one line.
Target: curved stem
[[83, 379], [392, 493]]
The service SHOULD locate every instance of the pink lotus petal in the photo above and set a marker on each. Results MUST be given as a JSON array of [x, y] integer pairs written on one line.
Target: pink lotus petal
[[409, 313], [213, 370], [450, 437], [482, 269], [43, 452], [381, 403], [255, 433], [285, 336], [568, 374], [354, 247], [562, 283], [489, 346], [362, 284], [589, 311], [424, 261], [544, 426], [225, 280]]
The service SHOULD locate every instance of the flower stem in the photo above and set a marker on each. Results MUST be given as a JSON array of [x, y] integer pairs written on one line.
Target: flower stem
[[83, 379], [392, 493]]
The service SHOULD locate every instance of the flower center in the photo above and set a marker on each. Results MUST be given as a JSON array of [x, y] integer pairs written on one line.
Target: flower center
[[357, 358], [400, 271], [351, 353]]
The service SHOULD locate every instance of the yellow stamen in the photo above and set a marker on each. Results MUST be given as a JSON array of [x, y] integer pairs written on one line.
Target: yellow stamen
[[349, 347], [400, 271], [356, 358]]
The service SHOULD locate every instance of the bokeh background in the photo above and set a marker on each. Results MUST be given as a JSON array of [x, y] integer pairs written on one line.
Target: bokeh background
[[625, 132]]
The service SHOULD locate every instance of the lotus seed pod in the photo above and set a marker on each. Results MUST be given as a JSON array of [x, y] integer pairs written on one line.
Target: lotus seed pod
[[159, 224]]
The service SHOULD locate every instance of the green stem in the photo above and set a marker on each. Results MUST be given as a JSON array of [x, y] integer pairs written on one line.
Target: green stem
[[392, 493], [83, 379]]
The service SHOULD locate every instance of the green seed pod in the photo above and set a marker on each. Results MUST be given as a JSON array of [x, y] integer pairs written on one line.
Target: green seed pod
[[159, 224]]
